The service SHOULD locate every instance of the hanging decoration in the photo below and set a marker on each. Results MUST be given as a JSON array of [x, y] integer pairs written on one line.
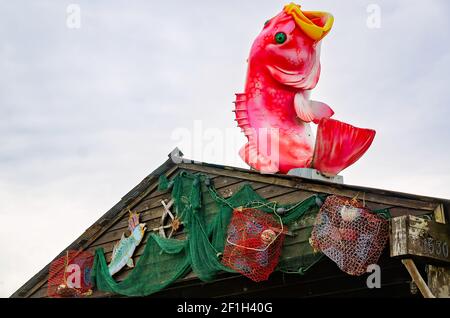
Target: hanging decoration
[[275, 110], [349, 234], [124, 249], [206, 227], [254, 242], [70, 275], [174, 222]]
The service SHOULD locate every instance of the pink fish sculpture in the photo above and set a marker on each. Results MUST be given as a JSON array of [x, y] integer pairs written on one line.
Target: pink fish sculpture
[[275, 111]]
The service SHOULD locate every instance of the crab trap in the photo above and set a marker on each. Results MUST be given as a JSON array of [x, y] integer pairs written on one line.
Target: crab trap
[[254, 243], [349, 234], [70, 275]]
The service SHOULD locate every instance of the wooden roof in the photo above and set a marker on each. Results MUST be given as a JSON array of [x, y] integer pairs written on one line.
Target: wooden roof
[[145, 198]]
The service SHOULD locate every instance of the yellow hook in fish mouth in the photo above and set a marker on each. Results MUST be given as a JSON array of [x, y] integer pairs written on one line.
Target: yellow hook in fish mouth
[[315, 24]]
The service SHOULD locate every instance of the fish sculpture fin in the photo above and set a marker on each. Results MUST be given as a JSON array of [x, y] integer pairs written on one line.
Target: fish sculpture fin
[[241, 113], [339, 145], [130, 263], [311, 111], [250, 154], [320, 111]]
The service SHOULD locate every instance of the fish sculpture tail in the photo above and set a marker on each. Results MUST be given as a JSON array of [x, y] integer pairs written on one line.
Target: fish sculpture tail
[[339, 145]]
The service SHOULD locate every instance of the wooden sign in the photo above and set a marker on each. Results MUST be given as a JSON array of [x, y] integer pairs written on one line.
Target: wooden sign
[[412, 236]]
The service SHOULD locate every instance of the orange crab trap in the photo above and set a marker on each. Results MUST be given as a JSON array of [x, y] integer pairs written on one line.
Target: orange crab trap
[[70, 275], [254, 242], [349, 234]]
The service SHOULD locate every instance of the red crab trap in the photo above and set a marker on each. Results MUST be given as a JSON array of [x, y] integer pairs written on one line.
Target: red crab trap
[[254, 243], [70, 275], [349, 234]]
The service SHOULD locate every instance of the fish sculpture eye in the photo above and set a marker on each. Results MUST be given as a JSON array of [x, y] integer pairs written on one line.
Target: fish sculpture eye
[[280, 37]]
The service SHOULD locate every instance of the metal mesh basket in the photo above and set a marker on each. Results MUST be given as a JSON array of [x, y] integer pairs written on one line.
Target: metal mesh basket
[[349, 234], [69, 275], [253, 243]]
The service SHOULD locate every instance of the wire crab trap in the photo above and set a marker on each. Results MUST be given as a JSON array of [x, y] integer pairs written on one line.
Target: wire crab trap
[[254, 243], [349, 234], [70, 275]]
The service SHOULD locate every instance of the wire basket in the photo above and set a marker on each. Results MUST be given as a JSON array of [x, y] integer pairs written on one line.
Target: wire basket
[[349, 234], [70, 275], [254, 243]]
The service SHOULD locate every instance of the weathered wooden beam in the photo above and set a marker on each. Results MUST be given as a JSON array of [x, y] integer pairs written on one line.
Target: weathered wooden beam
[[439, 281], [417, 278], [387, 198], [439, 277], [439, 214], [412, 236], [416, 237]]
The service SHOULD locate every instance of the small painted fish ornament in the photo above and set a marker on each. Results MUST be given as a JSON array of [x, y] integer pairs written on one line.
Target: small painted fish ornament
[[123, 250]]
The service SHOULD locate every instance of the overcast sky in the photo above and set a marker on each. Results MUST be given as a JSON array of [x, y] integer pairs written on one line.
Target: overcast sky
[[86, 113]]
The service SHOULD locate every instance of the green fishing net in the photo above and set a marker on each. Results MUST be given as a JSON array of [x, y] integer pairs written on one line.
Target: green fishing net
[[206, 215], [163, 262]]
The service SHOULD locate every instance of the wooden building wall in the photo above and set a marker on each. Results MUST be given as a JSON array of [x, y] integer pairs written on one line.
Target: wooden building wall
[[227, 182]]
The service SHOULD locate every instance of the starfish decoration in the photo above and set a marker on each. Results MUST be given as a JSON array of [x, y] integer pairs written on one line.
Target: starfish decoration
[[174, 224]]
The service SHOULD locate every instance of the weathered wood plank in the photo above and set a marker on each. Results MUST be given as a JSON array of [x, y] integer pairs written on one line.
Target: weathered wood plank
[[300, 248], [153, 216], [398, 236], [417, 278], [439, 277], [439, 214], [225, 188], [385, 197], [149, 202], [412, 236], [439, 281]]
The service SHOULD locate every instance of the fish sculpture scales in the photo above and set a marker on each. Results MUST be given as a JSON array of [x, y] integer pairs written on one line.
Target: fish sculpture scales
[[123, 250], [275, 109]]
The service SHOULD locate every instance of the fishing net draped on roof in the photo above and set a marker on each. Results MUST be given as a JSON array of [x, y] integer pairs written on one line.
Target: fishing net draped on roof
[[206, 216]]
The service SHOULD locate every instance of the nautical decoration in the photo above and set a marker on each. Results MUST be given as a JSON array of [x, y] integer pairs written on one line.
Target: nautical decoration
[[70, 275], [174, 222], [164, 261], [349, 234], [254, 242], [124, 249], [275, 111]]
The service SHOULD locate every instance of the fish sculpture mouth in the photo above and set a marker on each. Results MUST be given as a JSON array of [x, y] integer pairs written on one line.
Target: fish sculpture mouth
[[286, 77], [315, 24]]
